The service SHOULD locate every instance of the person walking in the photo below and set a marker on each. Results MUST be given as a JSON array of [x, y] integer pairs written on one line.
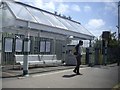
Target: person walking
[[78, 55]]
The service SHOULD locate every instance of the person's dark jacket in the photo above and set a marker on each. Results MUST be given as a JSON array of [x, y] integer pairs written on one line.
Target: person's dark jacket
[[76, 48]]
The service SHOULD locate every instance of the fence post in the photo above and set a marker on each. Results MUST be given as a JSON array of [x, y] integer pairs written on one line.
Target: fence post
[[105, 53], [87, 56], [96, 56]]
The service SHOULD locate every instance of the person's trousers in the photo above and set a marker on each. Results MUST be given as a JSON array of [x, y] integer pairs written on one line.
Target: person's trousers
[[78, 58]]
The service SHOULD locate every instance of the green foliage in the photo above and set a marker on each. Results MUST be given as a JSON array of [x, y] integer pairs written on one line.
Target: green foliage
[[113, 48], [112, 41], [97, 43]]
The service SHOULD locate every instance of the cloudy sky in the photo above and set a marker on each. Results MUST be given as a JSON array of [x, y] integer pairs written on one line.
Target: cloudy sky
[[95, 15]]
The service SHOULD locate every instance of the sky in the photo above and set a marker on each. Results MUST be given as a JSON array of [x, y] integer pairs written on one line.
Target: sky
[[94, 15]]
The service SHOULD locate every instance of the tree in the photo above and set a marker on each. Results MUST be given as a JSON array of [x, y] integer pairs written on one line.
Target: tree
[[113, 42], [113, 47]]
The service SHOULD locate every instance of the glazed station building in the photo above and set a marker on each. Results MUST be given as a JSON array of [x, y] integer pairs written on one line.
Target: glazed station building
[[47, 33]]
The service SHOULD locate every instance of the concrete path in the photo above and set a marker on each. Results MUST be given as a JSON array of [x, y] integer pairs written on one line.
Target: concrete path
[[93, 77]]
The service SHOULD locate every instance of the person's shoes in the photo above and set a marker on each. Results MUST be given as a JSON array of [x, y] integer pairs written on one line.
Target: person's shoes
[[74, 71], [78, 74]]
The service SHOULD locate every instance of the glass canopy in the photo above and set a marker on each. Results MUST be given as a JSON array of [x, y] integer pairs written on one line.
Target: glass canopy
[[21, 12], [26, 12], [39, 16], [78, 27], [65, 23], [54, 21]]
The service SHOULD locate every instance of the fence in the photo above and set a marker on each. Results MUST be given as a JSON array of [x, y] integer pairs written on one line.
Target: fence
[[113, 54]]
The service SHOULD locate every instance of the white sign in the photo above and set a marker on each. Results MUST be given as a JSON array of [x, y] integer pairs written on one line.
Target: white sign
[[47, 46], [42, 46], [8, 44], [18, 47]]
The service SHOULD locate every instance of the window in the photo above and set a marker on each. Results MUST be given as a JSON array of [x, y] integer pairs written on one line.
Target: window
[[8, 44], [21, 12], [47, 46], [42, 46], [40, 17], [54, 20], [19, 44]]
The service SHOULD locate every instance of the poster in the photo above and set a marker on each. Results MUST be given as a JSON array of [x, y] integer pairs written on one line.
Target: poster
[[47, 46], [8, 44], [18, 47], [42, 46]]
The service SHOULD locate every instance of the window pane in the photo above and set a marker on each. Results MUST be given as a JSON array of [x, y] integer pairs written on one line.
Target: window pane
[[78, 27], [8, 44], [21, 12], [83, 30], [7, 18], [42, 46], [69, 27], [19, 43], [54, 20], [39, 16], [47, 46]]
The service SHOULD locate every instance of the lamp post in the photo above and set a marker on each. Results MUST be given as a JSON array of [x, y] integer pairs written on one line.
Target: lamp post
[[26, 51], [118, 62], [118, 21]]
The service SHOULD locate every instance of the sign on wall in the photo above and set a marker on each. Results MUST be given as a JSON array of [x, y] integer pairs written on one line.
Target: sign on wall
[[19, 44], [42, 46], [47, 46], [8, 44]]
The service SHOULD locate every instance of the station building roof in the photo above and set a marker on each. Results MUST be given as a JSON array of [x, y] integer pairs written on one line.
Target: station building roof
[[35, 17]]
